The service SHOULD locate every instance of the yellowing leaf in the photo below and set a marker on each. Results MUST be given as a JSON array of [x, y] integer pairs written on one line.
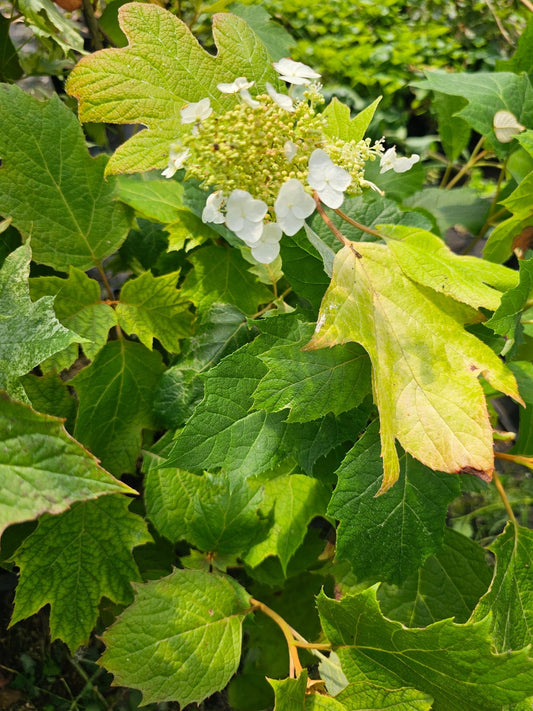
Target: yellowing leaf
[[162, 69], [425, 366], [425, 259]]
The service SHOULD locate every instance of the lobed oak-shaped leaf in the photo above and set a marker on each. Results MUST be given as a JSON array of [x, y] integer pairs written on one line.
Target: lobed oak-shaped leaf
[[425, 366], [73, 560], [427, 260], [78, 306], [42, 468], [29, 332], [52, 188], [152, 307], [181, 638], [455, 664], [162, 69], [340, 125]]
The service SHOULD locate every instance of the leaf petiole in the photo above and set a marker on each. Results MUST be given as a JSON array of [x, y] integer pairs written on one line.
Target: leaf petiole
[[293, 638], [501, 491]]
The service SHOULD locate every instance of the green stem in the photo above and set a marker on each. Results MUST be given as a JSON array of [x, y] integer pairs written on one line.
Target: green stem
[[446, 175], [476, 155], [109, 290], [503, 495], [89, 684]]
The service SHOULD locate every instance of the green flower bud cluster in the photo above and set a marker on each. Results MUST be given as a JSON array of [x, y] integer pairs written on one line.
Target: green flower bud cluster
[[259, 148], [245, 148], [352, 157]]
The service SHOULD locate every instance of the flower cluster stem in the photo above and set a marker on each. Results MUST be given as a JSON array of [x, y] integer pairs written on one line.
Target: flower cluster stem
[[358, 225], [338, 234]]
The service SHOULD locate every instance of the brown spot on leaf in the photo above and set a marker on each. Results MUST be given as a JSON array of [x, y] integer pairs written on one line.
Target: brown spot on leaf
[[480, 473]]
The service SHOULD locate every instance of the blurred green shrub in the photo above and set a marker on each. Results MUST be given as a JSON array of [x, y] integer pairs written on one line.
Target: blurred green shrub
[[375, 48]]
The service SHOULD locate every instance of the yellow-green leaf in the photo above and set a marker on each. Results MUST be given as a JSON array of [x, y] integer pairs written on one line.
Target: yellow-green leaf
[[425, 366], [162, 69]]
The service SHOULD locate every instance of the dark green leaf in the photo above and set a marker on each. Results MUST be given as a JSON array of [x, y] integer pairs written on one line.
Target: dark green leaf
[[221, 275], [220, 331], [178, 392], [454, 132], [313, 383], [158, 200], [486, 93], [152, 307], [79, 307], [29, 332], [293, 500], [510, 595], [506, 319], [454, 664], [49, 393], [388, 537], [169, 496], [116, 400], [50, 25], [275, 37], [224, 515], [10, 69], [462, 206], [73, 560], [449, 584]]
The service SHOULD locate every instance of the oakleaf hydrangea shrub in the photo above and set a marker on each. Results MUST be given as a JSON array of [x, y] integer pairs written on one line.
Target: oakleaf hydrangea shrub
[[249, 314]]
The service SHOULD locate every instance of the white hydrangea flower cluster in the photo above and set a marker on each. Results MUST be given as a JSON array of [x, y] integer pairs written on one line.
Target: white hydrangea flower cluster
[[269, 160]]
